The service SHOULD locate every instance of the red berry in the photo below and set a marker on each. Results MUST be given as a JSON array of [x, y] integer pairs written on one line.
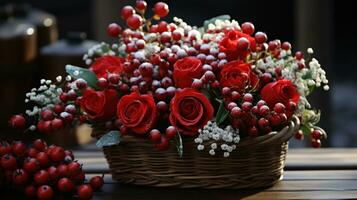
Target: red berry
[[171, 131], [63, 170], [44, 192], [20, 177], [235, 112], [53, 173], [299, 135], [235, 95], [264, 110], [291, 106], [316, 134], [65, 185], [226, 91], [126, 12], [43, 159], [248, 28], [96, 182], [275, 120], [231, 105], [63, 97], [155, 136], [246, 106], [8, 162], [248, 97], [262, 122], [260, 37], [209, 76], [316, 143], [283, 117], [102, 83], [44, 126], [146, 69], [57, 154], [40, 145], [19, 148], [74, 168], [134, 21], [253, 131], [113, 78], [85, 192], [71, 95], [17, 121], [31, 165], [243, 44], [5, 148], [163, 144], [255, 110], [47, 115], [176, 35], [197, 84], [162, 106], [272, 45], [299, 55], [30, 191], [41, 177], [266, 77], [140, 5], [79, 178], [279, 108], [58, 108], [114, 30], [286, 46], [57, 123], [161, 9], [32, 152]]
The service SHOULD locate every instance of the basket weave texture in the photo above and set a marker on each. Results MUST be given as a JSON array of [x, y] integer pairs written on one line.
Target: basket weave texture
[[256, 162]]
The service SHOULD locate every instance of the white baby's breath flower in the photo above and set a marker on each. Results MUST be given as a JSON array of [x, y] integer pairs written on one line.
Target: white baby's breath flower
[[310, 51], [59, 78]]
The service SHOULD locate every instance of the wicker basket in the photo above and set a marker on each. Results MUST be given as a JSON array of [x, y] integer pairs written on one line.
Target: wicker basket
[[256, 163]]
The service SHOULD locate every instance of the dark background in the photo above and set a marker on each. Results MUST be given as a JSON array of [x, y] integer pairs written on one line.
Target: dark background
[[325, 25]]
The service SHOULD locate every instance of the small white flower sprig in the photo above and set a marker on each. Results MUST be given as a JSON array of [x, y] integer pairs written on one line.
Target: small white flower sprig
[[45, 96], [217, 139]]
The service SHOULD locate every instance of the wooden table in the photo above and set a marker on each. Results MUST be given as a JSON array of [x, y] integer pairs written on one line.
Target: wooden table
[[309, 174]]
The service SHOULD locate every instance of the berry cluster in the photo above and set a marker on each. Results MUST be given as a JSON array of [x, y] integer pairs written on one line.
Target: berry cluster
[[44, 171]]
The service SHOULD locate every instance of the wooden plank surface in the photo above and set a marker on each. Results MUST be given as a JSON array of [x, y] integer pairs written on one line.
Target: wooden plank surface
[[297, 159], [301, 180]]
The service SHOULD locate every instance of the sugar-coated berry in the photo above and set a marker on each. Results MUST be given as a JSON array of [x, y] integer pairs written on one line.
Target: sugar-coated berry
[[126, 12], [253, 131], [235, 95], [286, 46], [155, 136], [248, 97], [231, 105], [171, 131], [114, 30], [279, 108], [243, 44], [134, 21], [246, 106], [264, 110], [260, 37], [141, 5], [235, 112], [248, 28], [161, 9]]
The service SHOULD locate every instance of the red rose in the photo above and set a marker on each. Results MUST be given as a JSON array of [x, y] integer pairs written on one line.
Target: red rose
[[229, 45], [281, 91], [107, 64], [238, 75], [99, 105], [190, 111], [137, 112], [185, 70]]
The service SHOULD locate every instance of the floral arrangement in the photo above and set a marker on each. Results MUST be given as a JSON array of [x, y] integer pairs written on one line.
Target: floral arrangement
[[166, 81]]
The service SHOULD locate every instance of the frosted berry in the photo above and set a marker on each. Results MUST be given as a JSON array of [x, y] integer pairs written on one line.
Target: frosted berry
[[114, 30], [161, 9], [248, 28]]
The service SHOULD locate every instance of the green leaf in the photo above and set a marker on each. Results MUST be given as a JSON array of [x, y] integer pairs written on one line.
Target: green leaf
[[222, 113], [86, 74], [305, 129], [213, 20], [179, 145], [109, 139]]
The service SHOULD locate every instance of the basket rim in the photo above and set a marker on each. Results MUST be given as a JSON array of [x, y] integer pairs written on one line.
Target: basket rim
[[271, 138]]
